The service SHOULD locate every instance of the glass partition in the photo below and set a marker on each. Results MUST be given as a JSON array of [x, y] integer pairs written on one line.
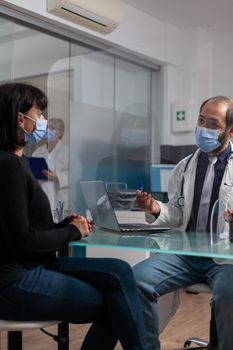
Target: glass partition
[[109, 128], [99, 114]]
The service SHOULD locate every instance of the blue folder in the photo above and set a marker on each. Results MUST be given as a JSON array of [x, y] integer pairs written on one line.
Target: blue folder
[[37, 164]]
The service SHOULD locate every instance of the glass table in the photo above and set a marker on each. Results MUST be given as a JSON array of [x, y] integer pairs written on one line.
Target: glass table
[[170, 242]]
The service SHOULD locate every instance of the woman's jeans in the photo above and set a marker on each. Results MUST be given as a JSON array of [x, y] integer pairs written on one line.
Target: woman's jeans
[[163, 273], [81, 290]]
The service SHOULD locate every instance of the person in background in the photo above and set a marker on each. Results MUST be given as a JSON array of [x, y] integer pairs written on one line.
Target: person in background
[[35, 283], [56, 154], [195, 184]]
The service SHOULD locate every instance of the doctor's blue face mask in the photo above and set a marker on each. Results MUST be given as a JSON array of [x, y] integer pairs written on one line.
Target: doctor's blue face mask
[[39, 133], [52, 135], [207, 139]]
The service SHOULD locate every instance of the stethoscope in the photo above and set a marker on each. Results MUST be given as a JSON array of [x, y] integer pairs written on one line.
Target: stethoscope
[[180, 199]]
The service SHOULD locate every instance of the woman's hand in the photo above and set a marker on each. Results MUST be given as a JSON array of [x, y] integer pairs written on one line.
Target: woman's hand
[[84, 225], [146, 202]]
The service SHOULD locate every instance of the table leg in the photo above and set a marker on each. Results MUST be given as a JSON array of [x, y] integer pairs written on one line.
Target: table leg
[[14, 340]]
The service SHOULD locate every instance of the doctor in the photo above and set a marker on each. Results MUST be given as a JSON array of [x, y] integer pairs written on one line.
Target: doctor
[[56, 154], [195, 184]]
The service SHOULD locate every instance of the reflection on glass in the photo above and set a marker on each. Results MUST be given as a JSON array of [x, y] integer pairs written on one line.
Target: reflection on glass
[[104, 102], [109, 140], [219, 228]]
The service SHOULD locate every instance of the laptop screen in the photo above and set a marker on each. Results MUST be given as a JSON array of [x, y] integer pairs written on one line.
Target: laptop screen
[[98, 203]]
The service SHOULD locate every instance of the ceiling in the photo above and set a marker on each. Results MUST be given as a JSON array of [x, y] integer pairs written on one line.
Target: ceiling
[[215, 16]]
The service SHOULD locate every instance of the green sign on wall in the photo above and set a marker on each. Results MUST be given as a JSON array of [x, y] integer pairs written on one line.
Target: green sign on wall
[[180, 116]]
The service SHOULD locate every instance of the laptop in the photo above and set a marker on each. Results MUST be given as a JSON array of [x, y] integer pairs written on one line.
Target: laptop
[[103, 214]]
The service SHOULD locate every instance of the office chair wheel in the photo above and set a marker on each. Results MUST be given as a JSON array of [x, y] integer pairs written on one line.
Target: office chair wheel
[[202, 344], [187, 344]]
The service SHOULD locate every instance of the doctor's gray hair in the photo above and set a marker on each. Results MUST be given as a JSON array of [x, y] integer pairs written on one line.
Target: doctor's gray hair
[[225, 100]]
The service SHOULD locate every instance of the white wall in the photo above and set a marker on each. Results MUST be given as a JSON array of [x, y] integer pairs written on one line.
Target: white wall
[[195, 64], [6, 51], [222, 63], [138, 31], [190, 81]]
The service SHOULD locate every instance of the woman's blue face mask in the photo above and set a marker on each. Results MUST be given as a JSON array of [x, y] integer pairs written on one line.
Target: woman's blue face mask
[[39, 133], [207, 139]]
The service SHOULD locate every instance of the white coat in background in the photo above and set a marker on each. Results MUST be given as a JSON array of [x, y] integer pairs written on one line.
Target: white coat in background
[[58, 161]]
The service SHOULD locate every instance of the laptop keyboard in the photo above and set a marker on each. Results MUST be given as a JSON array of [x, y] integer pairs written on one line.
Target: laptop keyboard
[[141, 227]]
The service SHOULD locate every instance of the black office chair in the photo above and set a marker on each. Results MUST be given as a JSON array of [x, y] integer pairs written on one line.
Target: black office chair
[[212, 344]]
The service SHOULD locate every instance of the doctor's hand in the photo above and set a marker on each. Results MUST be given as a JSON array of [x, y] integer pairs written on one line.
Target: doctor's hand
[[146, 202], [84, 225], [51, 175], [228, 215]]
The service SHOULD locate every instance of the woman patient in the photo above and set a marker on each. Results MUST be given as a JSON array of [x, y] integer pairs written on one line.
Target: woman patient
[[35, 284]]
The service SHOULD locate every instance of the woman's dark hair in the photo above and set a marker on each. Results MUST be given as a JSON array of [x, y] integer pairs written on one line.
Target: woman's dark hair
[[15, 98]]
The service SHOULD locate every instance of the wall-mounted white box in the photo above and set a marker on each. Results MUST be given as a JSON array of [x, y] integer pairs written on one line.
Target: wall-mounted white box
[[182, 114]]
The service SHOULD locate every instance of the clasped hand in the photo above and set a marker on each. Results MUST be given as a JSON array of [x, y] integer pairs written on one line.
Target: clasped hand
[[146, 202], [84, 225]]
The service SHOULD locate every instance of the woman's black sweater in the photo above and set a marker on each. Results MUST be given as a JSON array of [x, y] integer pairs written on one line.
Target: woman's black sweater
[[28, 235]]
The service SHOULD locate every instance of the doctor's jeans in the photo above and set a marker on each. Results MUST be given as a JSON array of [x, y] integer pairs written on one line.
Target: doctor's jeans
[[101, 291], [163, 273]]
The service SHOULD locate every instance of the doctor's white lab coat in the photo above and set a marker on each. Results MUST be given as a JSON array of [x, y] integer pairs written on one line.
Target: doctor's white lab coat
[[58, 161], [176, 216]]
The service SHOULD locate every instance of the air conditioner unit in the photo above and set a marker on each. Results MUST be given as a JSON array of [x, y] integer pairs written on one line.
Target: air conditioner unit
[[100, 15]]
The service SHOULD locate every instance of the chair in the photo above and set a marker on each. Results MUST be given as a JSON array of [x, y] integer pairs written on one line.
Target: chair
[[212, 344], [15, 328]]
